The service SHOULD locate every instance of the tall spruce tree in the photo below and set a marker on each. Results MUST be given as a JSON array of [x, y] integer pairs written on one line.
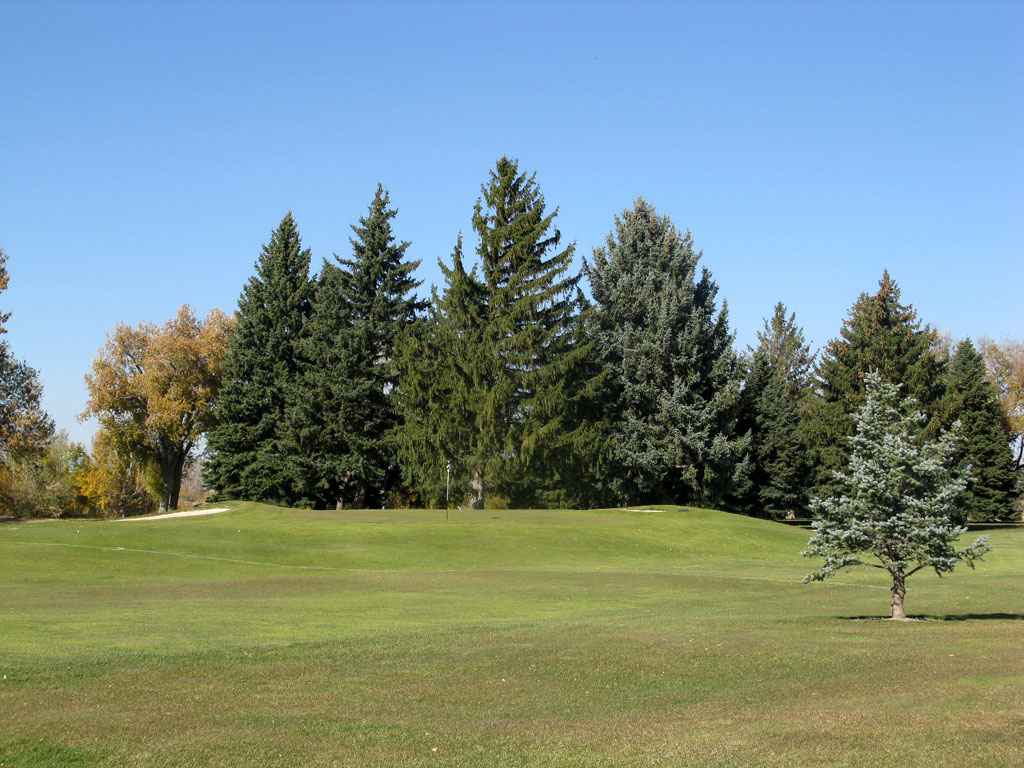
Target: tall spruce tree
[[880, 334], [985, 439], [507, 399], [344, 422], [785, 350], [249, 455], [443, 385], [540, 378], [777, 381], [321, 392], [673, 377]]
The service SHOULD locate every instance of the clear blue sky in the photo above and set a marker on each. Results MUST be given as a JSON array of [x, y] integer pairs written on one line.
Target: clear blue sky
[[148, 149]]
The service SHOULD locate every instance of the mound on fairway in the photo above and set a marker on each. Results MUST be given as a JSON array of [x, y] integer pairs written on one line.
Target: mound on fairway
[[276, 637]]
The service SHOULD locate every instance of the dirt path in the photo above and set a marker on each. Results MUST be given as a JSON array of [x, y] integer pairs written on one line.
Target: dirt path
[[190, 513]]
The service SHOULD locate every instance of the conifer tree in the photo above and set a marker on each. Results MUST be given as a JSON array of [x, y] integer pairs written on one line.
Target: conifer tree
[[442, 387], [785, 350], [895, 499], [777, 381], [319, 393], [539, 380], [344, 422], [985, 446], [880, 334], [511, 359], [781, 468], [249, 457], [673, 377]]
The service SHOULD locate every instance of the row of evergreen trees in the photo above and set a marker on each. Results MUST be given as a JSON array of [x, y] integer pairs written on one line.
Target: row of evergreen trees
[[800, 411], [510, 386]]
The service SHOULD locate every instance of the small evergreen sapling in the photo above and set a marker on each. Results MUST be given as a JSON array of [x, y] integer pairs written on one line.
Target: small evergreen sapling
[[895, 499]]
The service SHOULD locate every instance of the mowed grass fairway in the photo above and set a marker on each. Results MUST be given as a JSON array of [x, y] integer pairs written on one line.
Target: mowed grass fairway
[[274, 637]]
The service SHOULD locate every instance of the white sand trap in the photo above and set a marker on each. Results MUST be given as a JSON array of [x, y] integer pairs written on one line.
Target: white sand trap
[[190, 513]]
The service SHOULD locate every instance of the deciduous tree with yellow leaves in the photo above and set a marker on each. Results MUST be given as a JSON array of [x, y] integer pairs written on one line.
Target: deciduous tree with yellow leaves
[[152, 389], [1005, 363]]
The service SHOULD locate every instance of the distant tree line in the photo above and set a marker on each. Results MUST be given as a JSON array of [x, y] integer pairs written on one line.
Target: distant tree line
[[510, 386]]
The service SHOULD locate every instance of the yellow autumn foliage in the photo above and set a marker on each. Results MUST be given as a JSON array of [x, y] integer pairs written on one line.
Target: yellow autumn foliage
[[152, 390]]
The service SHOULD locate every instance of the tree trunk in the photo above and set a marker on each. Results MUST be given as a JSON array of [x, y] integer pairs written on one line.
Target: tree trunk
[[899, 590], [476, 488], [171, 466]]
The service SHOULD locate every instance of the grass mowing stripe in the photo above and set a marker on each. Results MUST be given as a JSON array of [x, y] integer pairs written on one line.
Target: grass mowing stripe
[[691, 572]]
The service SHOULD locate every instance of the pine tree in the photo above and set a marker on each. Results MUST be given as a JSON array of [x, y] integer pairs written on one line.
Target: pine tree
[[895, 499], [249, 457], [782, 345], [985, 448], [344, 421], [442, 387], [505, 394], [537, 373], [319, 394], [781, 467], [673, 377], [777, 381], [880, 334]]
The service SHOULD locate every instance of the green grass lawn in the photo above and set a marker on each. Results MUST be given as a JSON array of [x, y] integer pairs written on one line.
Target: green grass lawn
[[274, 637]]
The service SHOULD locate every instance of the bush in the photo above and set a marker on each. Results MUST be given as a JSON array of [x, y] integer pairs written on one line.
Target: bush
[[47, 482], [114, 484], [497, 502]]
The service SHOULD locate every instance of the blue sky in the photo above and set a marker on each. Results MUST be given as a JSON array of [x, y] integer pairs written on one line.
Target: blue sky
[[148, 149]]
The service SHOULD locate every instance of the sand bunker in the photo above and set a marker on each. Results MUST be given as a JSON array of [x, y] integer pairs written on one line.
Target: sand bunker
[[190, 513]]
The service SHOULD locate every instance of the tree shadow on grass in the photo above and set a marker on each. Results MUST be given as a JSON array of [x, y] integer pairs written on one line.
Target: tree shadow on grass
[[15, 520], [1009, 526], [945, 617], [973, 617]]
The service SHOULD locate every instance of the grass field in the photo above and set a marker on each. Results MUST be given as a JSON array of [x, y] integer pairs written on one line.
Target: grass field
[[272, 637]]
